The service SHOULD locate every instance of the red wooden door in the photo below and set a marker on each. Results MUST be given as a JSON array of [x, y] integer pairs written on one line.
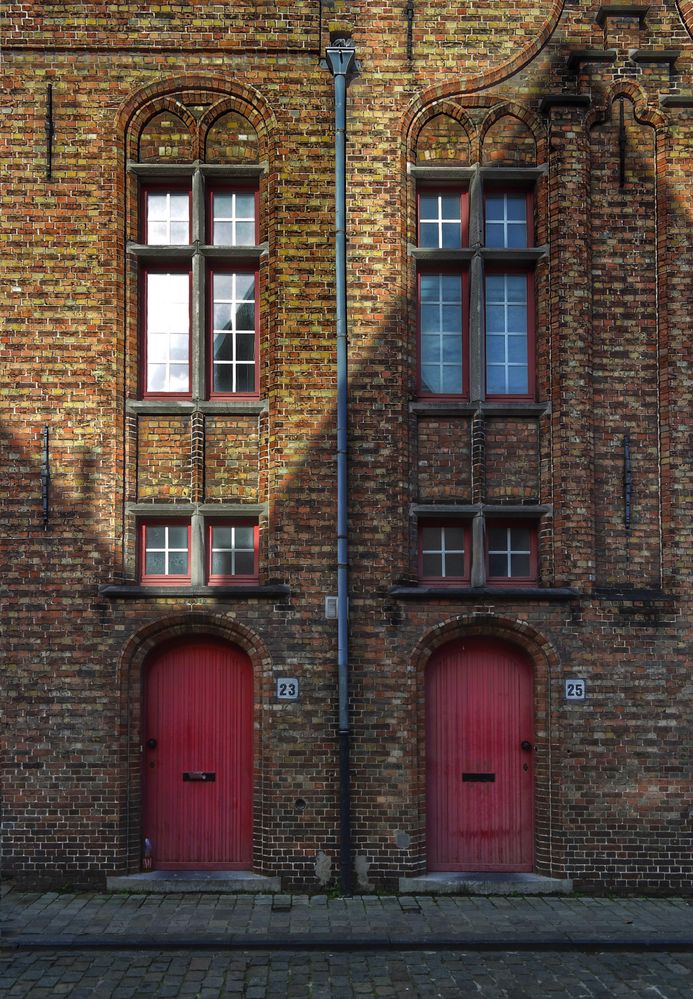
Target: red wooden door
[[480, 799], [198, 758]]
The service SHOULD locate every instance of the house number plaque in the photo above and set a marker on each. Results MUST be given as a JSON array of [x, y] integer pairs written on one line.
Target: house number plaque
[[575, 689], [287, 688]]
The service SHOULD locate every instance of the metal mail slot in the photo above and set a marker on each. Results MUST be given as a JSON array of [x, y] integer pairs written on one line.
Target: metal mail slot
[[479, 777], [199, 775]]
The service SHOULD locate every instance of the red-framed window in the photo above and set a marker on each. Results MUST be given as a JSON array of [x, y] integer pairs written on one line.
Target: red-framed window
[[165, 295], [233, 331], [164, 552], [511, 552], [165, 214], [509, 311], [443, 332], [232, 551], [508, 218], [443, 218], [232, 215], [444, 551]]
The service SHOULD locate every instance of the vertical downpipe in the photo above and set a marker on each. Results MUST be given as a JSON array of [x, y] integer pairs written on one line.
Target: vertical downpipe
[[340, 58]]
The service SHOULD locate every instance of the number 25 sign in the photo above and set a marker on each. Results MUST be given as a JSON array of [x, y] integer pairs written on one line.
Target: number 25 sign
[[575, 690]]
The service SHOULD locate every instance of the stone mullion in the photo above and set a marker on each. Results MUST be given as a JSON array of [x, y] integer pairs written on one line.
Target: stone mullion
[[570, 350]]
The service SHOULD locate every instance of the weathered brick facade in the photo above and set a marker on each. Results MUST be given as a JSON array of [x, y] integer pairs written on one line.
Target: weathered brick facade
[[597, 109]]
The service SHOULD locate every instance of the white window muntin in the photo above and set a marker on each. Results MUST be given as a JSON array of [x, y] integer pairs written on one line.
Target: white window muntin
[[442, 551], [168, 217], [511, 550], [233, 550], [166, 550], [233, 218], [506, 221], [168, 332], [440, 220]]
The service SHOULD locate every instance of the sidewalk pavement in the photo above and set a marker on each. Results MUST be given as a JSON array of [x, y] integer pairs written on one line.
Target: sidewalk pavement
[[50, 921]]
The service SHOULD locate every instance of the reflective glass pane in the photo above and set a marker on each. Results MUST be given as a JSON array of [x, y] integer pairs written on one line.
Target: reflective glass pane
[[157, 206], [179, 233], [519, 565], [157, 232], [223, 347], [428, 206], [178, 347], [156, 377], [178, 378], [178, 563], [245, 233], [245, 378], [495, 207], [223, 287], [430, 378], [516, 287], [495, 318], [517, 380], [222, 537], [155, 564], [245, 347], [179, 207], [245, 316], [155, 537], [497, 565], [452, 380], [223, 233], [451, 288], [450, 206], [517, 207], [454, 565], [222, 317], [452, 235], [517, 236], [452, 349], [495, 288], [171, 317], [429, 287], [497, 539], [495, 350], [432, 565], [430, 349], [245, 563], [223, 206], [157, 347], [495, 379], [517, 318], [222, 564], [451, 318], [520, 537], [430, 318], [245, 286], [517, 349], [245, 206], [244, 537], [223, 378], [430, 538], [495, 235], [454, 538], [428, 234], [178, 536]]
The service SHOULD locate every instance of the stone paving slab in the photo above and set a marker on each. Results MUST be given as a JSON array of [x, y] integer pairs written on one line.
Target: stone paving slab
[[204, 920]]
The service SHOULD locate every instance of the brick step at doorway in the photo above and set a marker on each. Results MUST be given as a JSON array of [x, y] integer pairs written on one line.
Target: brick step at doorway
[[214, 882], [482, 883]]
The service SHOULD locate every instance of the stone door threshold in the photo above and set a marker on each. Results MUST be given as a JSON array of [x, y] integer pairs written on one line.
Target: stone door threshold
[[484, 883], [211, 882]]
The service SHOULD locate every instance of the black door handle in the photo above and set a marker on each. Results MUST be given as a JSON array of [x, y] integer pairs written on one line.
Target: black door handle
[[527, 746]]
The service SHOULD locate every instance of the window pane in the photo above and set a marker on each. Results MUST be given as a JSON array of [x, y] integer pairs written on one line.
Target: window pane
[[495, 235], [452, 235], [430, 318], [430, 287], [223, 347], [155, 564], [454, 565], [223, 233], [245, 537], [157, 232], [428, 206], [430, 348], [245, 563], [245, 233], [156, 377], [452, 349], [155, 537], [516, 287], [178, 346], [451, 288], [517, 207], [519, 565], [245, 347], [431, 565], [495, 288], [454, 538], [179, 207], [245, 286], [520, 538], [245, 206], [428, 234], [517, 235], [179, 233], [222, 316], [517, 318], [495, 350], [430, 538], [495, 380], [178, 378], [497, 539], [178, 563], [450, 206], [517, 349], [452, 381], [157, 207], [222, 564], [245, 316], [223, 378], [223, 287], [178, 537], [495, 207], [517, 380], [245, 378], [497, 565], [223, 206], [451, 318], [222, 537], [495, 318]]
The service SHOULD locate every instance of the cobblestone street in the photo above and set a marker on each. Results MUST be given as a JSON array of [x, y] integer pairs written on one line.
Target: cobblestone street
[[348, 975]]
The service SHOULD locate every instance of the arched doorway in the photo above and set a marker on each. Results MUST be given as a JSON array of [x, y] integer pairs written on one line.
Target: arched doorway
[[479, 757], [198, 759]]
